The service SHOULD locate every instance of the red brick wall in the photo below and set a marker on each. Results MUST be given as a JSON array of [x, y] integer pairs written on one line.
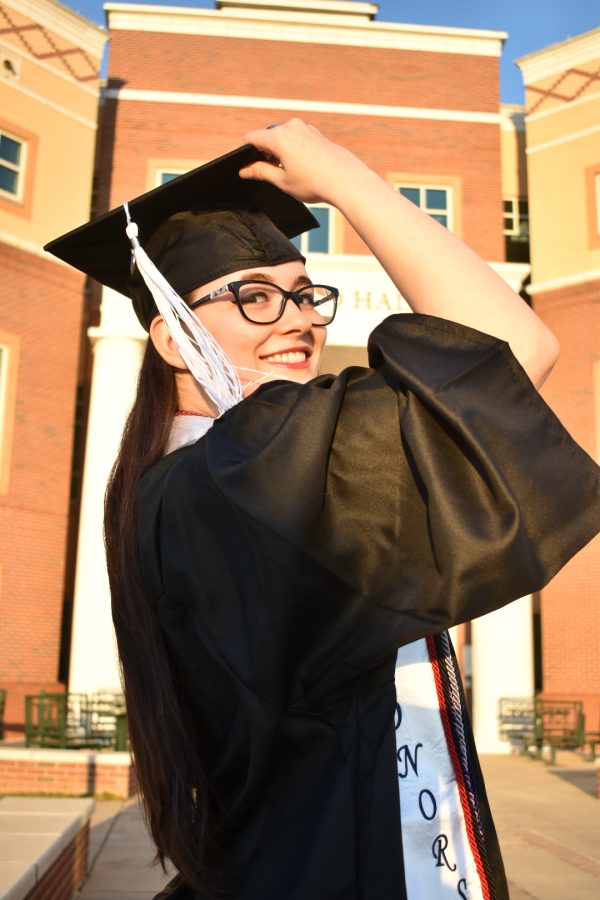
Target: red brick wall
[[45, 773], [40, 301], [303, 70], [66, 874], [570, 603], [133, 131]]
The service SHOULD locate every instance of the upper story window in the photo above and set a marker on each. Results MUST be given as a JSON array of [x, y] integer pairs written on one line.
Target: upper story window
[[165, 175], [516, 217], [592, 204], [436, 200], [318, 240], [516, 229], [9, 362], [12, 165]]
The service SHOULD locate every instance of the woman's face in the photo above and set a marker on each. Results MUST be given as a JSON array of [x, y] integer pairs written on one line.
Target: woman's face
[[289, 348]]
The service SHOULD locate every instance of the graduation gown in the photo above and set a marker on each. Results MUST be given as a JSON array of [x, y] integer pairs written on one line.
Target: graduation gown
[[314, 530]]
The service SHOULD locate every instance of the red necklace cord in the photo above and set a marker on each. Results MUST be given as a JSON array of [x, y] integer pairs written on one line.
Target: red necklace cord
[[185, 412]]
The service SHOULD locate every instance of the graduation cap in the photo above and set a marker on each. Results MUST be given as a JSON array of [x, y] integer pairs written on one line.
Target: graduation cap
[[187, 254], [161, 245]]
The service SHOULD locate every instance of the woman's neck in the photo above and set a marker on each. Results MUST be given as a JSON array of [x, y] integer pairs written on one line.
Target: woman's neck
[[191, 399]]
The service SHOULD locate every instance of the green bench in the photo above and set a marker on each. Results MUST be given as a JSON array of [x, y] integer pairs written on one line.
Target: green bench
[[74, 720], [558, 724], [516, 721]]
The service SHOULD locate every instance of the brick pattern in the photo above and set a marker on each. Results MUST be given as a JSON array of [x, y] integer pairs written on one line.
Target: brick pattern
[[266, 68], [44, 45], [67, 873], [569, 604], [42, 302], [568, 86], [73, 777], [133, 131]]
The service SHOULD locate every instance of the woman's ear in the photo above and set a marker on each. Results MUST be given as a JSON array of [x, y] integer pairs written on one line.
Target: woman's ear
[[164, 344]]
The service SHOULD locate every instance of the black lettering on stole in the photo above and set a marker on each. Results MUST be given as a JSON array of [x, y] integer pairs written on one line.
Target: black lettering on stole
[[398, 717], [462, 884], [438, 848], [427, 804], [406, 758]]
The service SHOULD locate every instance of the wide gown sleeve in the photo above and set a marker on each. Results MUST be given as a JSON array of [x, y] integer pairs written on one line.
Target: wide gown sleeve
[[437, 485]]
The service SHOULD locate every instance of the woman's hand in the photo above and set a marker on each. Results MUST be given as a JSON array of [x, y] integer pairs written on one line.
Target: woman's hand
[[435, 272], [304, 163]]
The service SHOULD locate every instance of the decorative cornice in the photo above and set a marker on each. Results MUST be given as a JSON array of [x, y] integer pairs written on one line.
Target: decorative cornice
[[346, 109], [69, 25], [331, 7], [259, 24], [565, 55]]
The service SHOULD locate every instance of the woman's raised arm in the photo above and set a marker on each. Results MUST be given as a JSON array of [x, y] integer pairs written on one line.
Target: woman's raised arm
[[434, 271]]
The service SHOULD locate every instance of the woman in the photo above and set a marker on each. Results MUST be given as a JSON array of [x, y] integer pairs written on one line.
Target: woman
[[269, 557]]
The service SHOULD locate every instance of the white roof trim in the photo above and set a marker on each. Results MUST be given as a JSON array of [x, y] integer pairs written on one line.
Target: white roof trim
[[295, 105], [555, 59], [64, 22], [554, 284], [335, 7], [257, 24], [564, 139]]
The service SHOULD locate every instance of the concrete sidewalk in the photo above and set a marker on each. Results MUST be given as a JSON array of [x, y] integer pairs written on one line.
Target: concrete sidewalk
[[548, 822]]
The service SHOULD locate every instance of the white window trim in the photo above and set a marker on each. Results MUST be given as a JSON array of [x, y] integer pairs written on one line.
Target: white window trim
[[423, 186], [305, 237], [19, 169], [167, 170], [514, 214], [4, 367]]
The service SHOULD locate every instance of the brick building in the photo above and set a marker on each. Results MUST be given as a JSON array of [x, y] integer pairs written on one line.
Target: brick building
[[48, 111], [563, 148]]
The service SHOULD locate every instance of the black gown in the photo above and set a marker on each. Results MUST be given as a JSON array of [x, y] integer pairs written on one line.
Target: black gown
[[314, 530]]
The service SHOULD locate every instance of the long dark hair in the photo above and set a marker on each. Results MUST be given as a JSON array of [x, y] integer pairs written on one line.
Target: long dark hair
[[163, 731]]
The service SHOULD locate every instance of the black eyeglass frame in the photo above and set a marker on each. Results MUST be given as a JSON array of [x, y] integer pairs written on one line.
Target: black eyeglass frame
[[234, 286]]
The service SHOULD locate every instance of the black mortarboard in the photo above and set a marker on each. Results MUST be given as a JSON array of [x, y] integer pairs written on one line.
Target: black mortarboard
[[188, 245]]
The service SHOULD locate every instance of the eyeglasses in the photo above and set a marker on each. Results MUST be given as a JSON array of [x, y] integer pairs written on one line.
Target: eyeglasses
[[264, 303]]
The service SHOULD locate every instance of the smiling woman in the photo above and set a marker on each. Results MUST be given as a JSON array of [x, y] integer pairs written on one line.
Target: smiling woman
[[286, 548]]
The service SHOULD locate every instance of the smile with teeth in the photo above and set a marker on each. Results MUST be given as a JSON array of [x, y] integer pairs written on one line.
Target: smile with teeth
[[289, 358]]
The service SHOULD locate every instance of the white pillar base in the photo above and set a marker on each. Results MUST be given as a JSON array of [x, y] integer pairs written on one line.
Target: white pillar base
[[502, 667]]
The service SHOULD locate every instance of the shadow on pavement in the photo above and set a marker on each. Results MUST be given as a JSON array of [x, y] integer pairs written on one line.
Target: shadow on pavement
[[584, 781]]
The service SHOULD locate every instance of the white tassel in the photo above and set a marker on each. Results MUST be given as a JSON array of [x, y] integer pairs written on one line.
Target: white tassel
[[203, 356]]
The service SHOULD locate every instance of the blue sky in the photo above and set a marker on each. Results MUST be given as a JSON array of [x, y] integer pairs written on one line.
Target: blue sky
[[531, 24]]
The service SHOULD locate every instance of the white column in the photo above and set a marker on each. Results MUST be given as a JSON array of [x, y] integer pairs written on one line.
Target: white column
[[118, 345], [502, 654]]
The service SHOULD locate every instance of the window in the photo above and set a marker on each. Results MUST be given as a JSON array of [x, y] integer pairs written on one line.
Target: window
[[433, 199], [516, 218], [165, 175], [592, 203], [12, 165], [318, 240], [516, 229], [9, 362]]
